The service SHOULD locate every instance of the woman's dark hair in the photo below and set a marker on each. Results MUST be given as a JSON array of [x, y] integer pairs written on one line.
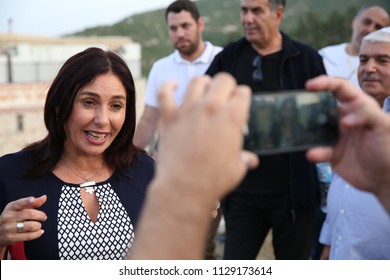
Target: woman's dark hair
[[183, 5], [77, 72]]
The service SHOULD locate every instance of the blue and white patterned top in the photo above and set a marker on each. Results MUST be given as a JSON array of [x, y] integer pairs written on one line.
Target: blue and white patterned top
[[69, 233]]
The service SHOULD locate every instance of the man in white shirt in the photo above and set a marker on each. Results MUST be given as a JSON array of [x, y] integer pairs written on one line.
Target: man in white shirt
[[191, 59], [342, 60], [357, 226]]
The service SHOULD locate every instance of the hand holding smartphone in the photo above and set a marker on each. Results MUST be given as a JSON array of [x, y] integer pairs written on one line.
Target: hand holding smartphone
[[290, 121]]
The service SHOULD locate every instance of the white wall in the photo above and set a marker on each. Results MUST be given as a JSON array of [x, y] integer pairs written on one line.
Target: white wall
[[41, 62]]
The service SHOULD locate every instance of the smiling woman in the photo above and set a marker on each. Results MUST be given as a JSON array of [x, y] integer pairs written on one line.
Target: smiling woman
[[93, 178], [99, 112]]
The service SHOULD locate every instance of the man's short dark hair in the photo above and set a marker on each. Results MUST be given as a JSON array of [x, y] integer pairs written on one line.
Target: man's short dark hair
[[183, 5]]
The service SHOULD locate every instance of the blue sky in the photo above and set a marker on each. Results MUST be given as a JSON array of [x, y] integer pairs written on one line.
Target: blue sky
[[59, 17]]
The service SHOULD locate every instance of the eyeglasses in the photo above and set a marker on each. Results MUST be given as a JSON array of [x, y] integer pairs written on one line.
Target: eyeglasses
[[257, 74]]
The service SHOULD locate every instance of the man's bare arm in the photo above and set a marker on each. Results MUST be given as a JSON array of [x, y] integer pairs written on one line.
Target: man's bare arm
[[146, 127]]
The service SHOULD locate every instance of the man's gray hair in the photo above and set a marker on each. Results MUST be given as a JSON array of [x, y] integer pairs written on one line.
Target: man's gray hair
[[381, 35]]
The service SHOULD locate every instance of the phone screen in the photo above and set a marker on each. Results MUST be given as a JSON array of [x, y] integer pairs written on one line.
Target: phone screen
[[282, 122]]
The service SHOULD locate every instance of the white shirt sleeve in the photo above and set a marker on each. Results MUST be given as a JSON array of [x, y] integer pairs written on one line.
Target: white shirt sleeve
[[152, 87]]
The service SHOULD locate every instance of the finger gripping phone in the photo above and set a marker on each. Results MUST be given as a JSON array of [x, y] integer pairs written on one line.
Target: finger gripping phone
[[290, 121]]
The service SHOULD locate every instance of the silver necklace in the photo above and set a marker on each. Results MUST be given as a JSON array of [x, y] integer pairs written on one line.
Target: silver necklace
[[88, 183]]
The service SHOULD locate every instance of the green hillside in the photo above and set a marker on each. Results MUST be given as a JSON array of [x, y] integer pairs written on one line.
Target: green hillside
[[315, 22]]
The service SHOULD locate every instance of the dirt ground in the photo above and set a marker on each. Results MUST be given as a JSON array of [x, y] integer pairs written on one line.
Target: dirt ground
[[266, 252]]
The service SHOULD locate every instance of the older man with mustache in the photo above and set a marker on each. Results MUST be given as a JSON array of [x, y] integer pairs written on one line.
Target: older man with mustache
[[357, 225]]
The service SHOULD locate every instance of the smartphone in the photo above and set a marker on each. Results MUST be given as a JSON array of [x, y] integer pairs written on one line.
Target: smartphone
[[290, 121]]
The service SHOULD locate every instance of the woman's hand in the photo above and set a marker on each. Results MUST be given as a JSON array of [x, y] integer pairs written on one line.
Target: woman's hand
[[20, 221]]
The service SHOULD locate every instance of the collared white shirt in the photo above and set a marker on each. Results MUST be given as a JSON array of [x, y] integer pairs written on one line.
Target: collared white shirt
[[357, 226], [175, 68]]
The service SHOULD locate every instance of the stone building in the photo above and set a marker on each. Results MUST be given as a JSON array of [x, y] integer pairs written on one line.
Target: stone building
[[27, 66], [37, 59]]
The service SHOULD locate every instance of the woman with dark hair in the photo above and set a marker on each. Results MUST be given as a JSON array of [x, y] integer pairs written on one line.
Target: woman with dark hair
[[77, 193]]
